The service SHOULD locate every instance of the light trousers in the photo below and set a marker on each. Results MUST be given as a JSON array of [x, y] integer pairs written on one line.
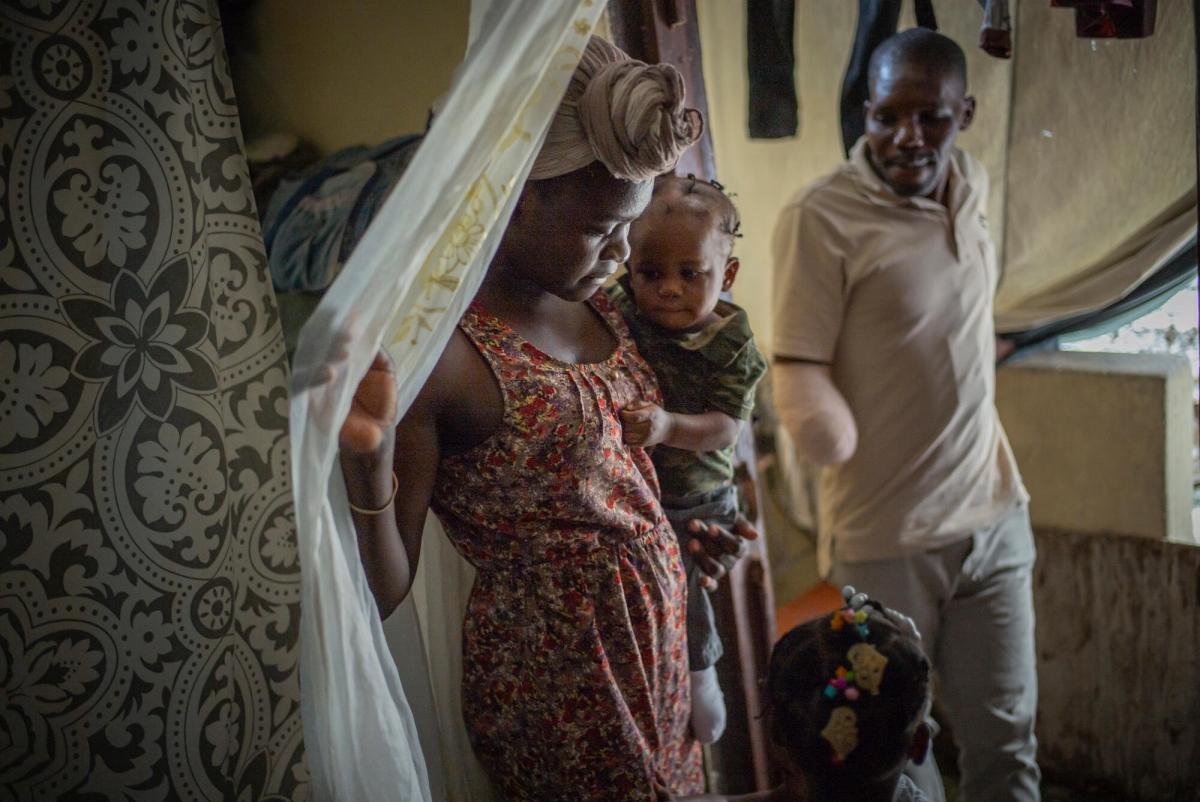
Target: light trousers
[[973, 602]]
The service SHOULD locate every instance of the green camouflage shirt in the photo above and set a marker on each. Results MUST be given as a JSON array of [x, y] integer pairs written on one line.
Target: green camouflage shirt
[[715, 369]]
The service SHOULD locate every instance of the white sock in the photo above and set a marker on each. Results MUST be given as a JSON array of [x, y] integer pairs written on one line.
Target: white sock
[[708, 706]]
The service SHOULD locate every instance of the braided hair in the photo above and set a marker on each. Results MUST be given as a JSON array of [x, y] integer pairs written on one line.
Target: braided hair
[[696, 194], [798, 707]]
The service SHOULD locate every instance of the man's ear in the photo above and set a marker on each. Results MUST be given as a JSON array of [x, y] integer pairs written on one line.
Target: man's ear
[[968, 113], [919, 747], [731, 270]]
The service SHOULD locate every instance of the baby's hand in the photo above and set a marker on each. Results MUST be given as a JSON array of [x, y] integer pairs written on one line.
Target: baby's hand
[[646, 424]]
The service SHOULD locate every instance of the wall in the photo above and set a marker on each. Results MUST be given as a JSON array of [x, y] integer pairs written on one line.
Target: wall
[[1118, 636], [340, 74], [1103, 440], [1104, 444]]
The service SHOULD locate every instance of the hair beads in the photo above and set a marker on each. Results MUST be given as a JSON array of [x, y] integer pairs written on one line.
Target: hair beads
[[862, 670]]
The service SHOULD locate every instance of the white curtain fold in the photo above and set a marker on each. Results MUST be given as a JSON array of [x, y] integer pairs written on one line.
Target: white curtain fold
[[438, 605], [405, 286]]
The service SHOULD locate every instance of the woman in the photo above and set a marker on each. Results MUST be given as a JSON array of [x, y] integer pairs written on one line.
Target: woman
[[575, 681]]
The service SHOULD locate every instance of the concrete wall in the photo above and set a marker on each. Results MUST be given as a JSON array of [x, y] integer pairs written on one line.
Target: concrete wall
[[1104, 445], [341, 74], [1103, 440], [1118, 641]]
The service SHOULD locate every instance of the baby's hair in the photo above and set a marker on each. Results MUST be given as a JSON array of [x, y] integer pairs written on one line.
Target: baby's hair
[[711, 195], [800, 705]]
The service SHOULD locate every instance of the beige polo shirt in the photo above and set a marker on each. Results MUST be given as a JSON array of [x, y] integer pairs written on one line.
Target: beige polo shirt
[[896, 294]]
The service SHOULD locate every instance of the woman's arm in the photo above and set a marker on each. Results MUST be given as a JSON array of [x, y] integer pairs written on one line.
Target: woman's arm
[[389, 543], [459, 407]]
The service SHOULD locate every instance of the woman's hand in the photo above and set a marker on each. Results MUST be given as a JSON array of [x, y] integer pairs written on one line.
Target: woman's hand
[[372, 417], [716, 549]]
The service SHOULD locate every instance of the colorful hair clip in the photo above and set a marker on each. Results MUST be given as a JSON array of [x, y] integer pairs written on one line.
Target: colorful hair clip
[[864, 672], [868, 666], [841, 732]]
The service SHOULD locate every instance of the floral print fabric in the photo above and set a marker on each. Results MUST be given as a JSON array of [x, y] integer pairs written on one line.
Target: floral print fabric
[[575, 681]]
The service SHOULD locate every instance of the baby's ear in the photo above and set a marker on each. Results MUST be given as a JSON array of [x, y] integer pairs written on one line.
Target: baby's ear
[[731, 270]]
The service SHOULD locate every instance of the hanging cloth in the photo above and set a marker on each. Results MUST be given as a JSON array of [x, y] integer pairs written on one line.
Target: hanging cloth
[[406, 285], [877, 20], [995, 33], [771, 62]]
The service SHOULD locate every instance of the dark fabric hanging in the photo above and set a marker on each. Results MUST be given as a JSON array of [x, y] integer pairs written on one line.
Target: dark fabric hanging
[[1112, 19], [877, 20], [995, 34], [771, 61], [925, 17]]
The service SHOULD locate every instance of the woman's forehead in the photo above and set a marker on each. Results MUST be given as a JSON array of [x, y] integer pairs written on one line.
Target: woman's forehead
[[616, 199]]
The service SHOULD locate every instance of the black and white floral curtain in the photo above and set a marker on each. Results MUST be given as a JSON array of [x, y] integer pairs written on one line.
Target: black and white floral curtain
[[149, 582]]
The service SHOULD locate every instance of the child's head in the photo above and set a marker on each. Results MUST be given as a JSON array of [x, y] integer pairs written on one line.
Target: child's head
[[918, 104], [681, 252], [846, 701]]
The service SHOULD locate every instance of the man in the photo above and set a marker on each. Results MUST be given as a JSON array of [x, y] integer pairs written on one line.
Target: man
[[885, 373]]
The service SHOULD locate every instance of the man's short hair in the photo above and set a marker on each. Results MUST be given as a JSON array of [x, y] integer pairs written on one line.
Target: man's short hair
[[920, 47]]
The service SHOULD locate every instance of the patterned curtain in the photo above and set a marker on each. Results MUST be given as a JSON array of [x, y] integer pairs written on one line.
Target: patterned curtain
[[149, 581]]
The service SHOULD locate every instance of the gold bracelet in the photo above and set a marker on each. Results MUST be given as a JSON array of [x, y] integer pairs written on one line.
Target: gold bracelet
[[395, 487]]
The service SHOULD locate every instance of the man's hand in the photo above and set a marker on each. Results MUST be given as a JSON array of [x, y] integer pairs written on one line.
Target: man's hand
[[645, 424], [716, 549]]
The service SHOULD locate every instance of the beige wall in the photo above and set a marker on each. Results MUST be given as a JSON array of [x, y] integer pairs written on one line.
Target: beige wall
[[344, 73], [1103, 441]]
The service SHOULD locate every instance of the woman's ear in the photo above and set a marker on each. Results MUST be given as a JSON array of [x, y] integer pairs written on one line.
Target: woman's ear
[[731, 271]]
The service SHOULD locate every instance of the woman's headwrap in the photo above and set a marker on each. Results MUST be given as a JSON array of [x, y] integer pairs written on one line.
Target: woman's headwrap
[[627, 114]]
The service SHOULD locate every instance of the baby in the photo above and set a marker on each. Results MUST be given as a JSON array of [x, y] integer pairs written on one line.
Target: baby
[[702, 350]]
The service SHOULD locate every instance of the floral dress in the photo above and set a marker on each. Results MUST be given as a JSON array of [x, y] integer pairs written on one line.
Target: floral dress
[[575, 682]]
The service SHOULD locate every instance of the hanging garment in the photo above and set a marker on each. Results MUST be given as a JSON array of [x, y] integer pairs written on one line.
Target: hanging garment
[[995, 33], [313, 220], [877, 20], [406, 285], [149, 580], [771, 62], [1112, 19], [1115, 19], [575, 680]]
